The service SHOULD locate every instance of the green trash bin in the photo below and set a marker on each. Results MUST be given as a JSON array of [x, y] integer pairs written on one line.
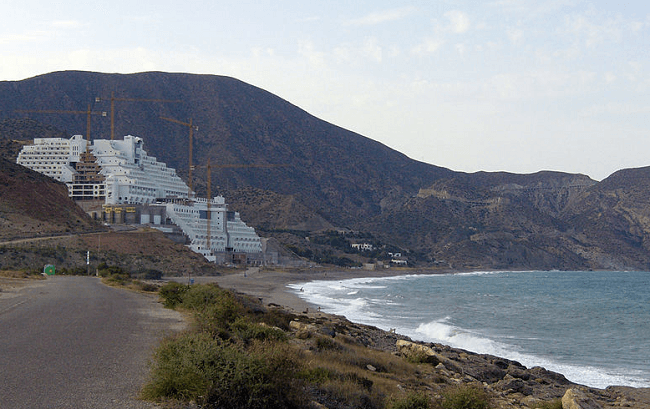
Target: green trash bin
[[49, 270]]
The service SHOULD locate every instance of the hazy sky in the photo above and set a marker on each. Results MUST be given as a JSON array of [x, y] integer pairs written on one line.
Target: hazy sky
[[514, 85]]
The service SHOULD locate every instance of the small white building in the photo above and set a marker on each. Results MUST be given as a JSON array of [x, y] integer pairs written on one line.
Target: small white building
[[363, 246]]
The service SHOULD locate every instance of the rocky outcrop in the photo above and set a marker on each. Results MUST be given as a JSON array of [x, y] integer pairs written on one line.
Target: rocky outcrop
[[575, 398], [507, 382]]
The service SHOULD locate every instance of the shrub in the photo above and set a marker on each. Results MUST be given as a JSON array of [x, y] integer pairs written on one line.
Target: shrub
[[146, 286], [172, 293], [411, 401], [184, 367], [221, 375], [328, 344], [198, 297], [264, 378], [317, 375], [217, 317], [249, 331], [465, 397]]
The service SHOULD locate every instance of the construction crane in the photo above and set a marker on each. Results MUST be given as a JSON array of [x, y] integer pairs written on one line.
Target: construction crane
[[87, 112], [209, 167], [192, 129], [113, 99]]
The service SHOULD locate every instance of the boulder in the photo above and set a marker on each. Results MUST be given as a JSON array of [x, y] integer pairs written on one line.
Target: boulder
[[575, 398], [418, 352]]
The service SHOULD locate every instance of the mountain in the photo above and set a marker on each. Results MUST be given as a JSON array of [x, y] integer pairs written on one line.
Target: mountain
[[307, 175]]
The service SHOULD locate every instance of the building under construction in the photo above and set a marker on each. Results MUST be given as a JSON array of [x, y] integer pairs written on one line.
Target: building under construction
[[117, 182]]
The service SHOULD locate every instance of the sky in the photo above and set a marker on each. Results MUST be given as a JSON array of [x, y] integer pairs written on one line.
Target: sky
[[503, 85]]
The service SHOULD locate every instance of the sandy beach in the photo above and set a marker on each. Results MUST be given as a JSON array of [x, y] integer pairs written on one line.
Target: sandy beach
[[271, 286]]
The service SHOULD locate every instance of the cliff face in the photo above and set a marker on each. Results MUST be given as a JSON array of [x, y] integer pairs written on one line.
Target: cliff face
[[334, 178]]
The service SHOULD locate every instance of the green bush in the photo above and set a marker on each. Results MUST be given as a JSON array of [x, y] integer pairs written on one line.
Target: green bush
[[249, 331], [198, 297], [217, 317], [411, 401], [217, 374], [465, 397], [317, 375], [328, 344], [172, 293], [184, 367]]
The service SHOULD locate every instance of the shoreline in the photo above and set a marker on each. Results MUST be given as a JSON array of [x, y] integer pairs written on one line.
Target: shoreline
[[271, 286]]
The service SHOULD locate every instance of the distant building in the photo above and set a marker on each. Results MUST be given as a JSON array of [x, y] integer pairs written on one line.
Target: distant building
[[363, 246], [134, 188], [226, 233]]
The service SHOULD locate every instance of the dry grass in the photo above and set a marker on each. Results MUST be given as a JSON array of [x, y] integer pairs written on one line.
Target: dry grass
[[366, 377], [33, 275]]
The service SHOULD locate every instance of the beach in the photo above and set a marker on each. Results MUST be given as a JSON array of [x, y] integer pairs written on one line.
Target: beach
[[271, 286]]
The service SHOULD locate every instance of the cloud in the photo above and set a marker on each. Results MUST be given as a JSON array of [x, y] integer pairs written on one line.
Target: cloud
[[593, 32], [459, 21], [380, 17], [428, 46], [27, 37], [372, 49], [307, 50], [515, 35]]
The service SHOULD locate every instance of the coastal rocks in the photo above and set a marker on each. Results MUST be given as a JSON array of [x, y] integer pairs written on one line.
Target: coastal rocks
[[510, 384], [575, 398], [302, 330], [418, 352]]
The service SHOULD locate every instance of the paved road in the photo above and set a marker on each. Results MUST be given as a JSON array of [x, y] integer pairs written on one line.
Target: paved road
[[71, 342]]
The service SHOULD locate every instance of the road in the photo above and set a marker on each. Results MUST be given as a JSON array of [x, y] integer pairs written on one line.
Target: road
[[72, 342]]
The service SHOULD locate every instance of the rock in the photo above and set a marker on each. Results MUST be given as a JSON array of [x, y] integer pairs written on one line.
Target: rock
[[510, 384], [575, 398], [418, 352], [303, 331]]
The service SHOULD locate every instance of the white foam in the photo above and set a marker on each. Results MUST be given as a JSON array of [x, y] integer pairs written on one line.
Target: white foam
[[441, 331]]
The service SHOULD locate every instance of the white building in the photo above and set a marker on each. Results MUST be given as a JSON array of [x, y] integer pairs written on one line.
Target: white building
[[226, 231], [53, 157], [132, 176], [119, 172]]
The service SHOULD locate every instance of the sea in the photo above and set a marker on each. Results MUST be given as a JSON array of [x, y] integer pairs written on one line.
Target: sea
[[591, 326]]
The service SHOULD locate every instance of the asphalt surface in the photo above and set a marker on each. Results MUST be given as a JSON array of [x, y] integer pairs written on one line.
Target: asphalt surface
[[72, 342]]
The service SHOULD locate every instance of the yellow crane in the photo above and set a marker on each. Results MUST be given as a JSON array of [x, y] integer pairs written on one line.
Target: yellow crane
[[87, 112], [113, 99], [209, 167], [192, 129]]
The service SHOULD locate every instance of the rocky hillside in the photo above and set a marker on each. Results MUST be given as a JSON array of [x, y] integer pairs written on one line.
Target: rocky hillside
[[310, 176], [34, 205]]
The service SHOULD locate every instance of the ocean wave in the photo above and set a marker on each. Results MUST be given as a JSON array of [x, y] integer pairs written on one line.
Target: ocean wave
[[442, 331], [411, 302]]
